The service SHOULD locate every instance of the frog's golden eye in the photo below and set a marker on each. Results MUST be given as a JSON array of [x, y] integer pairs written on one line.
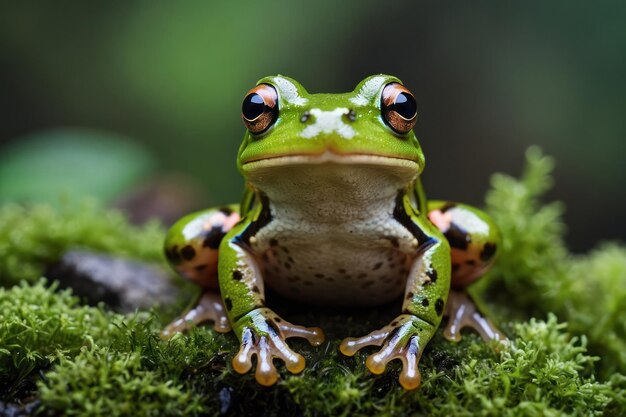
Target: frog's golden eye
[[398, 108], [260, 108]]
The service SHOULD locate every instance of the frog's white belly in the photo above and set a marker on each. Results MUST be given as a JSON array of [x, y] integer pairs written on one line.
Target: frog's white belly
[[338, 244]]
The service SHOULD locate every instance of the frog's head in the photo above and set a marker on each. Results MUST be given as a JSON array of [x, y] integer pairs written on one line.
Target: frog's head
[[369, 127]]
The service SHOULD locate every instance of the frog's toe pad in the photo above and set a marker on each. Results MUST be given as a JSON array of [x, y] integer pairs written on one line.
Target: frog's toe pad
[[404, 339]]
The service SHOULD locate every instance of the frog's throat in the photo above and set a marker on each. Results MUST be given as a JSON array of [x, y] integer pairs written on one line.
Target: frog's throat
[[409, 166]]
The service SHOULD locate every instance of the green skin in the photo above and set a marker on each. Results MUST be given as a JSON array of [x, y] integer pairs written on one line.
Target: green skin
[[441, 245]]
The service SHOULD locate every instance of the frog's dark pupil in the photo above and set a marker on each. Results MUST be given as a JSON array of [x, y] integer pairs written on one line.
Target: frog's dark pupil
[[253, 106], [405, 105]]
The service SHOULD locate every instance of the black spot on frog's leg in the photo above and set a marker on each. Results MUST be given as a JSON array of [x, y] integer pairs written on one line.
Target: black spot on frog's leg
[[228, 303], [213, 238], [173, 256], [432, 274], [273, 242], [489, 249], [457, 237], [449, 205], [439, 306], [256, 289], [188, 252], [237, 275], [409, 295], [377, 266], [425, 302]]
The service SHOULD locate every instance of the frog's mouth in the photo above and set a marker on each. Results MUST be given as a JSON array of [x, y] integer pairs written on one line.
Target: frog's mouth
[[330, 157]]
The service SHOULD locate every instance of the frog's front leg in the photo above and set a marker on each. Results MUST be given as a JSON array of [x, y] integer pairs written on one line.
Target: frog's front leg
[[261, 331], [424, 301]]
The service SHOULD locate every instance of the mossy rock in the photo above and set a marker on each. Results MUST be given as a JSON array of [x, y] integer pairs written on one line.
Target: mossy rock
[[66, 358]]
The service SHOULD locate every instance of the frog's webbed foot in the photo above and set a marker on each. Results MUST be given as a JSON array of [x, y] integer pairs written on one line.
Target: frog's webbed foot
[[462, 312], [209, 308], [404, 339], [263, 333]]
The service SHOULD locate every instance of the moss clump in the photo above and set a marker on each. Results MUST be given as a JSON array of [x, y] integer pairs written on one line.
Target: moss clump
[[102, 381], [79, 360], [544, 371], [37, 324], [31, 237], [587, 291]]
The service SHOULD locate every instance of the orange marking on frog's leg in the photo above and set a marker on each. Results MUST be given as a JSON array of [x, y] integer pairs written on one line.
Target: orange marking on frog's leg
[[440, 219], [472, 251], [202, 268], [197, 260]]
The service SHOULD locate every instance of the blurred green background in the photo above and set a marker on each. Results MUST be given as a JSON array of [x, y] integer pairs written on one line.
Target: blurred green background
[[156, 88]]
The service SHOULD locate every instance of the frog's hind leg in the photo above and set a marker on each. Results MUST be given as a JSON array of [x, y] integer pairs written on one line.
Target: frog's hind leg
[[191, 247], [474, 240]]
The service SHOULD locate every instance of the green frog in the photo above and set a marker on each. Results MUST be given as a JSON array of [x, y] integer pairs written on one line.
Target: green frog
[[334, 214]]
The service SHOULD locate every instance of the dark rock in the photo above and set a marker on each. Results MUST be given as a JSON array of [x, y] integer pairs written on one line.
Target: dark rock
[[123, 284], [19, 410]]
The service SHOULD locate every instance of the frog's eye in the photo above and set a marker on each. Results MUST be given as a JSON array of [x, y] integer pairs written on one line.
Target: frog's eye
[[398, 107], [260, 108]]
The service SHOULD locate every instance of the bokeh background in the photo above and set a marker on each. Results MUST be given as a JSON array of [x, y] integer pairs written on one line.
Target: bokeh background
[[137, 102]]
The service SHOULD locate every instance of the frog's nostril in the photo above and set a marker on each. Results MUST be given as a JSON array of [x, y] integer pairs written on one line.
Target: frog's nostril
[[351, 115], [305, 116]]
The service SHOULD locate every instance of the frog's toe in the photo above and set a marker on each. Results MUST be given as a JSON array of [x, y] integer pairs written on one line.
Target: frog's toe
[[266, 349], [404, 339], [462, 313], [264, 334], [314, 335], [209, 308]]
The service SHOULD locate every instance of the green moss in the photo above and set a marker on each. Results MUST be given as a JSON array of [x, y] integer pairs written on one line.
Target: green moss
[[31, 237], [587, 291], [37, 325], [103, 382], [80, 360]]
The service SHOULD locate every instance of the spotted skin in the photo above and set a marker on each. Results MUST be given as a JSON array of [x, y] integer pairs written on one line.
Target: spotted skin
[[473, 239]]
